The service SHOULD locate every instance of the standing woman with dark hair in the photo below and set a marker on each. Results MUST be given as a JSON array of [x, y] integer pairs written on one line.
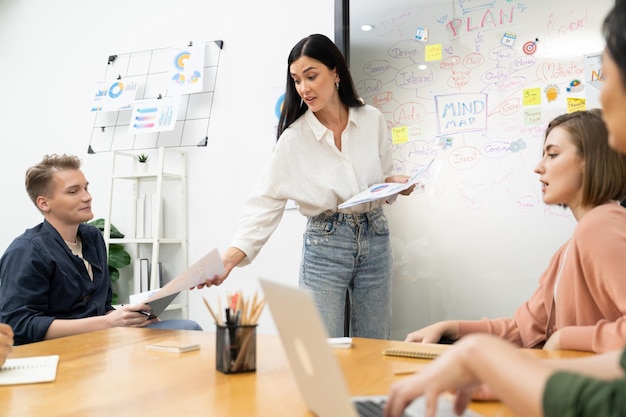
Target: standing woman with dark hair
[[330, 146]]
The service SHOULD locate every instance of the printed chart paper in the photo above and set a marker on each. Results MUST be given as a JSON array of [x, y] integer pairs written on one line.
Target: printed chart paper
[[386, 189], [186, 71], [154, 115]]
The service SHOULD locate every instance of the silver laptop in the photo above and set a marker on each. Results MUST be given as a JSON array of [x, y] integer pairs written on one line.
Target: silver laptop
[[313, 363]]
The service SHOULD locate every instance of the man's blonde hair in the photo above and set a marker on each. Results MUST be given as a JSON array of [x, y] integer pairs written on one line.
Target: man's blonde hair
[[39, 177]]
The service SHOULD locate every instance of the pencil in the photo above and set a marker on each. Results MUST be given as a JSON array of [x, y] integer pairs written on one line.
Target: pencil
[[219, 309], [256, 311], [206, 303]]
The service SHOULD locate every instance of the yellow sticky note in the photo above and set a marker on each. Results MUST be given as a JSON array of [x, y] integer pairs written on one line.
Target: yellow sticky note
[[433, 52], [576, 104], [400, 134], [532, 96]]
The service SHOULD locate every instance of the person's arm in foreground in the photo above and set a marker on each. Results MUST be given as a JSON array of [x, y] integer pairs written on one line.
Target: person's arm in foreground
[[6, 342], [515, 377]]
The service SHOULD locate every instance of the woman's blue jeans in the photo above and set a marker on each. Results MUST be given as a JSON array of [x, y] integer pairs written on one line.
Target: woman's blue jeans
[[349, 253]]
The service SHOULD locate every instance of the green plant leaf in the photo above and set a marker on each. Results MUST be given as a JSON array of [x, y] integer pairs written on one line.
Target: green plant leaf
[[114, 274], [118, 257], [99, 223]]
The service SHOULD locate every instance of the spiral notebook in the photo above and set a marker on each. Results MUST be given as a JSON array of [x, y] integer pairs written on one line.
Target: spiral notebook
[[29, 370], [416, 350]]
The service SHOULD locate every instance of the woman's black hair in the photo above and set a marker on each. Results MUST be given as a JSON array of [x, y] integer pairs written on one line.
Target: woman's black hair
[[320, 48], [615, 36]]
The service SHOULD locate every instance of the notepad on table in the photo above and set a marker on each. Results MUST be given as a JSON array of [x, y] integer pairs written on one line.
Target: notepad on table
[[173, 346], [340, 342], [29, 370], [416, 350]]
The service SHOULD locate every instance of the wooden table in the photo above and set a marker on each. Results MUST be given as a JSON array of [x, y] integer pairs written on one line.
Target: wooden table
[[110, 373]]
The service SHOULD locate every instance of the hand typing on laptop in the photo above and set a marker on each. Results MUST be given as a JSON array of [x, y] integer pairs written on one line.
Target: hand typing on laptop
[[463, 370]]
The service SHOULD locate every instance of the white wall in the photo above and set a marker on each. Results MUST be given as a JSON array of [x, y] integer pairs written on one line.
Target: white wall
[[53, 52]]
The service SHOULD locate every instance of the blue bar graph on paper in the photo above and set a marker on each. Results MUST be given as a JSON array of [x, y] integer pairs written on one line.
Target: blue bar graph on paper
[[148, 110], [166, 117]]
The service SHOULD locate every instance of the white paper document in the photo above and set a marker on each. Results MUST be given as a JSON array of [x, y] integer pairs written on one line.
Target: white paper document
[[206, 268], [387, 189]]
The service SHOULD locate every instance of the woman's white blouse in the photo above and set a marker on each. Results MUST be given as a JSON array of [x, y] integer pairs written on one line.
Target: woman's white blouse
[[307, 167]]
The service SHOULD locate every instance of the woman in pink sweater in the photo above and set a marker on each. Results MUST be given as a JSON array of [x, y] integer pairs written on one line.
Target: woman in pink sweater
[[581, 300]]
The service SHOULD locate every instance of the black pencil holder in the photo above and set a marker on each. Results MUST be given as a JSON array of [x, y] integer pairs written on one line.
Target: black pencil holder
[[235, 348]]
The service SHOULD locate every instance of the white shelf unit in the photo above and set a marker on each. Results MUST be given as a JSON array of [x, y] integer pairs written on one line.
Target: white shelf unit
[[150, 208]]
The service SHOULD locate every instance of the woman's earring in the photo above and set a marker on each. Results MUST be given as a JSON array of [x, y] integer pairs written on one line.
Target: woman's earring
[[337, 85]]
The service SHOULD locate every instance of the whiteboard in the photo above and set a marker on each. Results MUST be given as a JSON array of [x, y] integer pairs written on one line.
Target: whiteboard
[[473, 84]]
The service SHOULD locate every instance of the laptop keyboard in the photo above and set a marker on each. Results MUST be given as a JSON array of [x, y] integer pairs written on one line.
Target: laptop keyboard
[[373, 407], [367, 408]]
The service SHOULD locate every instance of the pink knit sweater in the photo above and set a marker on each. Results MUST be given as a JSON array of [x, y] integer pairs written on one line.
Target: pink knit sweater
[[590, 306]]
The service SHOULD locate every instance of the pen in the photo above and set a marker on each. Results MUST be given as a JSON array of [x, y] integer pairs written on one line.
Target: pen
[[145, 313]]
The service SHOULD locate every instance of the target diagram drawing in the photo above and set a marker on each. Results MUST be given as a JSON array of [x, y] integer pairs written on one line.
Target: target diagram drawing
[[530, 47]]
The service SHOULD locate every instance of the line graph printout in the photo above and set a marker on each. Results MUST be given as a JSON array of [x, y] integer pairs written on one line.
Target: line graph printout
[[152, 75]]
